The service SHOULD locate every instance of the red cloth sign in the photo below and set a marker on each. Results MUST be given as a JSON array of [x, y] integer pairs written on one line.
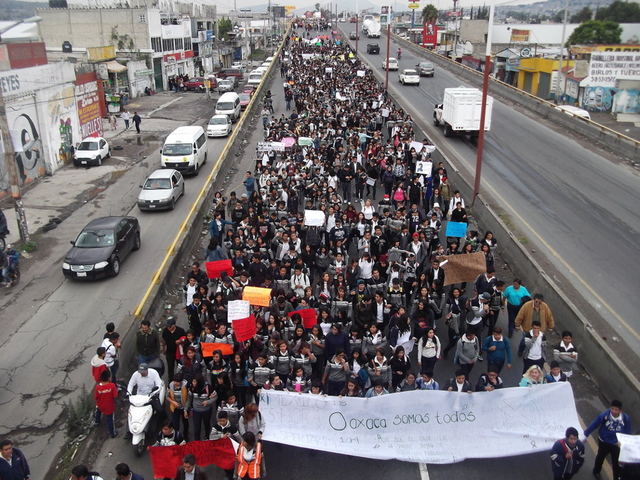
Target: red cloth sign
[[214, 269], [309, 317], [209, 348], [244, 328], [166, 460]]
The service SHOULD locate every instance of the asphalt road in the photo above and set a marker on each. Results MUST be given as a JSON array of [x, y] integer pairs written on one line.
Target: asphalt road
[[574, 203], [52, 326]]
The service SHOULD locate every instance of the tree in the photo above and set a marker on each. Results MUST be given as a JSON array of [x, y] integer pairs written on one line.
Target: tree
[[595, 32], [317, 5], [559, 17], [429, 14], [621, 12], [224, 27], [582, 16], [482, 13]]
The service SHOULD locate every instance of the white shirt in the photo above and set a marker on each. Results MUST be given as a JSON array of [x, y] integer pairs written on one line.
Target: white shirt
[[535, 352], [145, 384], [459, 386], [112, 353]]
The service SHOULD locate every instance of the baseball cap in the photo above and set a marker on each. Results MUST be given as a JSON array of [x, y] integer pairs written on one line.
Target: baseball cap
[[416, 234], [171, 322], [485, 296], [143, 367]]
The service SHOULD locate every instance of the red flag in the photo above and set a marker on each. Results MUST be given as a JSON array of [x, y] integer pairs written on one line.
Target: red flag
[[309, 317], [166, 460], [244, 328], [209, 348], [214, 269]]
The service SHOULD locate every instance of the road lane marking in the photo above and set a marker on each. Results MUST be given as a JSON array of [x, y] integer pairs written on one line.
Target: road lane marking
[[424, 472]]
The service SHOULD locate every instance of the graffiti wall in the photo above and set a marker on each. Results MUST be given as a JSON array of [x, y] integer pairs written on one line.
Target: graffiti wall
[[598, 99], [626, 101]]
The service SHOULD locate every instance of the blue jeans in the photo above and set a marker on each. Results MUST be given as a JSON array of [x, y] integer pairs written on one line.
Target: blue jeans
[[143, 359], [110, 425]]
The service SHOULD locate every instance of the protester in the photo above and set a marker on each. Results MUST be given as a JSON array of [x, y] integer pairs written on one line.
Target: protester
[[567, 455], [189, 470], [13, 464]]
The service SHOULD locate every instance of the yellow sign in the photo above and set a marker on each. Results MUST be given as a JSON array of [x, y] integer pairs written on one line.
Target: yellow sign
[[100, 54], [520, 35], [289, 9], [414, 6]]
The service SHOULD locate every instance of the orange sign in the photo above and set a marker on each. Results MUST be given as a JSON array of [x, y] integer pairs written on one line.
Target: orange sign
[[258, 296], [209, 348]]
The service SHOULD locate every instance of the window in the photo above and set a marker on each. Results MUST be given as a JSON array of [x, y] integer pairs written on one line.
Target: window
[[142, 18], [167, 44], [156, 44], [178, 44], [187, 44]]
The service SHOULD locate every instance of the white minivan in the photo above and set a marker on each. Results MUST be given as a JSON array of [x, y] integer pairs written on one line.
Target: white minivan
[[229, 104], [255, 77], [185, 150]]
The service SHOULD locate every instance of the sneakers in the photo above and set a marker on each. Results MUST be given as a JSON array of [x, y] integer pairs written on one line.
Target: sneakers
[[115, 434], [480, 359]]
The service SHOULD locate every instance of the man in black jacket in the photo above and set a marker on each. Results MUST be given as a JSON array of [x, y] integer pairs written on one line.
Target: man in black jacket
[[13, 465], [147, 342]]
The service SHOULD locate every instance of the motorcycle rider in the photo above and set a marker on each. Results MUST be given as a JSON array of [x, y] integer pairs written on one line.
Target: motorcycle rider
[[399, 53], [146, 380]]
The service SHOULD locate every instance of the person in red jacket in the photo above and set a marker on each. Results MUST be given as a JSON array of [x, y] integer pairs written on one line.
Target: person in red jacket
[[105, 396], [98, 365]]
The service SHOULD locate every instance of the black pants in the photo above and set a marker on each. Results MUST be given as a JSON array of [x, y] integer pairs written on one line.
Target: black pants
[[177, 416], [171, 366], [528, 363], [466, 368], [512, 311], [604, 449]]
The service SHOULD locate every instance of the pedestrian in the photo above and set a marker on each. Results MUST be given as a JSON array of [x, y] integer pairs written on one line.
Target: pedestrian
[[137, 121], [467, 351], [113, 121], [111, 346], [249, 184], [147, 342], [532, 347], [513, 297], [609, 424], [126, 116], [498, 350], [105, 396], [81, 472], [249, 458], [123, 472], [535, 308], [179, 400], [567, 455], [98, 365], [170, 338], [566, 354], [13, 465], [189, 470]]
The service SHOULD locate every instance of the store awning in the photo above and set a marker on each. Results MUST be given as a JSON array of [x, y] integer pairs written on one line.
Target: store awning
[[115, 67]]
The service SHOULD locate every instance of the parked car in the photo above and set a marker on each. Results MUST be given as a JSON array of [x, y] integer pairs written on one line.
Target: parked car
[[249, 89], [161, 190], [393, 64], [100, 247], [373, 48], [425, 69], [245, 98], [91, 151], [194, 83], [353, 36], [235, 73], [226, 85], [409, 77], [219, 126]]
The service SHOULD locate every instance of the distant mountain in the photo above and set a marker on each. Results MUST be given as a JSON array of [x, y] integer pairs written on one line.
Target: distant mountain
[[17, 10]]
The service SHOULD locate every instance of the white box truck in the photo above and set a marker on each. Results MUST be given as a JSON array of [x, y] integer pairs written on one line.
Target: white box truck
[[460, 112]]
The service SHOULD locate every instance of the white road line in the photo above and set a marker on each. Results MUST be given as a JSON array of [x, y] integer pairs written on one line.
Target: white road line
[[424, 472]]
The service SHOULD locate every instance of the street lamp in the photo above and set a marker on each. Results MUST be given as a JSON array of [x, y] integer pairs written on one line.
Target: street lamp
[[9, 153]]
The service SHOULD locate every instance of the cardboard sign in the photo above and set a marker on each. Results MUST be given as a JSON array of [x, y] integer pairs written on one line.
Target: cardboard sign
[[424, 168], [462, 268], [209, 348], [237, 309], [309, 317], [244, 328], [314, 218], [258, 296], [214, 269], [456, 229], [166, 460]]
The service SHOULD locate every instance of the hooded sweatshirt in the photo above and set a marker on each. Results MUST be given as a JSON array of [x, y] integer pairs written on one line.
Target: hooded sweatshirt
[[98, 365]]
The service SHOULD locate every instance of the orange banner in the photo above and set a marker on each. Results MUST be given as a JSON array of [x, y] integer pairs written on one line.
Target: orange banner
[[209, 348], [258, 296]]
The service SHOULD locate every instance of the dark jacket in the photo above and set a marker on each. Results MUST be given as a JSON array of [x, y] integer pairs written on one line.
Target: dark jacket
[[19, 468], [199, 473], [559, 463], [333, 342], [147, 344]]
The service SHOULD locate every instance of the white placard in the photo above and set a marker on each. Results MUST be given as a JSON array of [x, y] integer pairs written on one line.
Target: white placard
[[238, 309], [385, 112], [424, 168], [314, 218], [360, 73], [423, 426], [328, 70], [629, 448]]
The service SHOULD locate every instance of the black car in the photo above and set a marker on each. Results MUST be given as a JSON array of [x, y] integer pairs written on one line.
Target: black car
[[353, 36], [373, 48], [100, 247]]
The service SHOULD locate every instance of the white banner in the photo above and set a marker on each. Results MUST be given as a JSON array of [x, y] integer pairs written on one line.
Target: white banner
[[314, 218], [423, 426], [238, 309], [629, 448]]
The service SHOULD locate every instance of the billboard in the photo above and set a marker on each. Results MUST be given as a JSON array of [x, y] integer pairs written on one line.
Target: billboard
[[430, 35], [25, 55], [90, 104], [520, 35]]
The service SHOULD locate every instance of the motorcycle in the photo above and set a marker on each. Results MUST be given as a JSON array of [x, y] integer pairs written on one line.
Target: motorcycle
[[13, 273], [399, 54], [140, 416]]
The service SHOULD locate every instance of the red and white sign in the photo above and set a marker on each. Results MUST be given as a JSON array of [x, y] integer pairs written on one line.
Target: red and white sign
[[91, 106]]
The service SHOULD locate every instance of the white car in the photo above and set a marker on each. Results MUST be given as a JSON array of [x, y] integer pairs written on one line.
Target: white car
[[226, 85], [409, 77], [161, 190], [393, 64], [91, 151], [219, 126]]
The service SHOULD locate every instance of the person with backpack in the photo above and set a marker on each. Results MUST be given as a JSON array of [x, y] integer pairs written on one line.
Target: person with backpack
[[567, 455], [498, 350]]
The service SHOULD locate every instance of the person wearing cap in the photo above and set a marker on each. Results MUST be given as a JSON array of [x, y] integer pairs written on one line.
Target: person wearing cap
[[436, 210], [475, 318], [145, 380], [418, 248]]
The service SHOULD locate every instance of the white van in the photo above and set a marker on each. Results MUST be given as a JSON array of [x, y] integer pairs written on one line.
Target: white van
[[185, 150], [255, 77], [574, 111], [229, 104]]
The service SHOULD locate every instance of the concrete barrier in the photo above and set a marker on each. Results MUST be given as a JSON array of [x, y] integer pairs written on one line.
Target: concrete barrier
[[601, 135]]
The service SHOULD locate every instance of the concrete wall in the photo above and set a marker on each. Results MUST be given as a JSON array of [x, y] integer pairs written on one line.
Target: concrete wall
[[92, 27]]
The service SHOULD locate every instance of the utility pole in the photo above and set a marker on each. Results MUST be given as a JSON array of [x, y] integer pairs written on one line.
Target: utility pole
[[564, 31], [386, 80], [12, 170]]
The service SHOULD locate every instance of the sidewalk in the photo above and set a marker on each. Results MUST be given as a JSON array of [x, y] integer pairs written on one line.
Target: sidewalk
[[57, 196]]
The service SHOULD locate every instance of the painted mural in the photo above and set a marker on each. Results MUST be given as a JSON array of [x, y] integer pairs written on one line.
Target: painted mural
[[626, 101], [598, 99]]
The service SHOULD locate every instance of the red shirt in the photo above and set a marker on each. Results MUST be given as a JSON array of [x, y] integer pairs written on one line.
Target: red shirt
[[105, 395], [97, 371]]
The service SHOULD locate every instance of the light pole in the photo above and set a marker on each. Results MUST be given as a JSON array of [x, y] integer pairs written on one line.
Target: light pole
[[564, 31], [9, 153]]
